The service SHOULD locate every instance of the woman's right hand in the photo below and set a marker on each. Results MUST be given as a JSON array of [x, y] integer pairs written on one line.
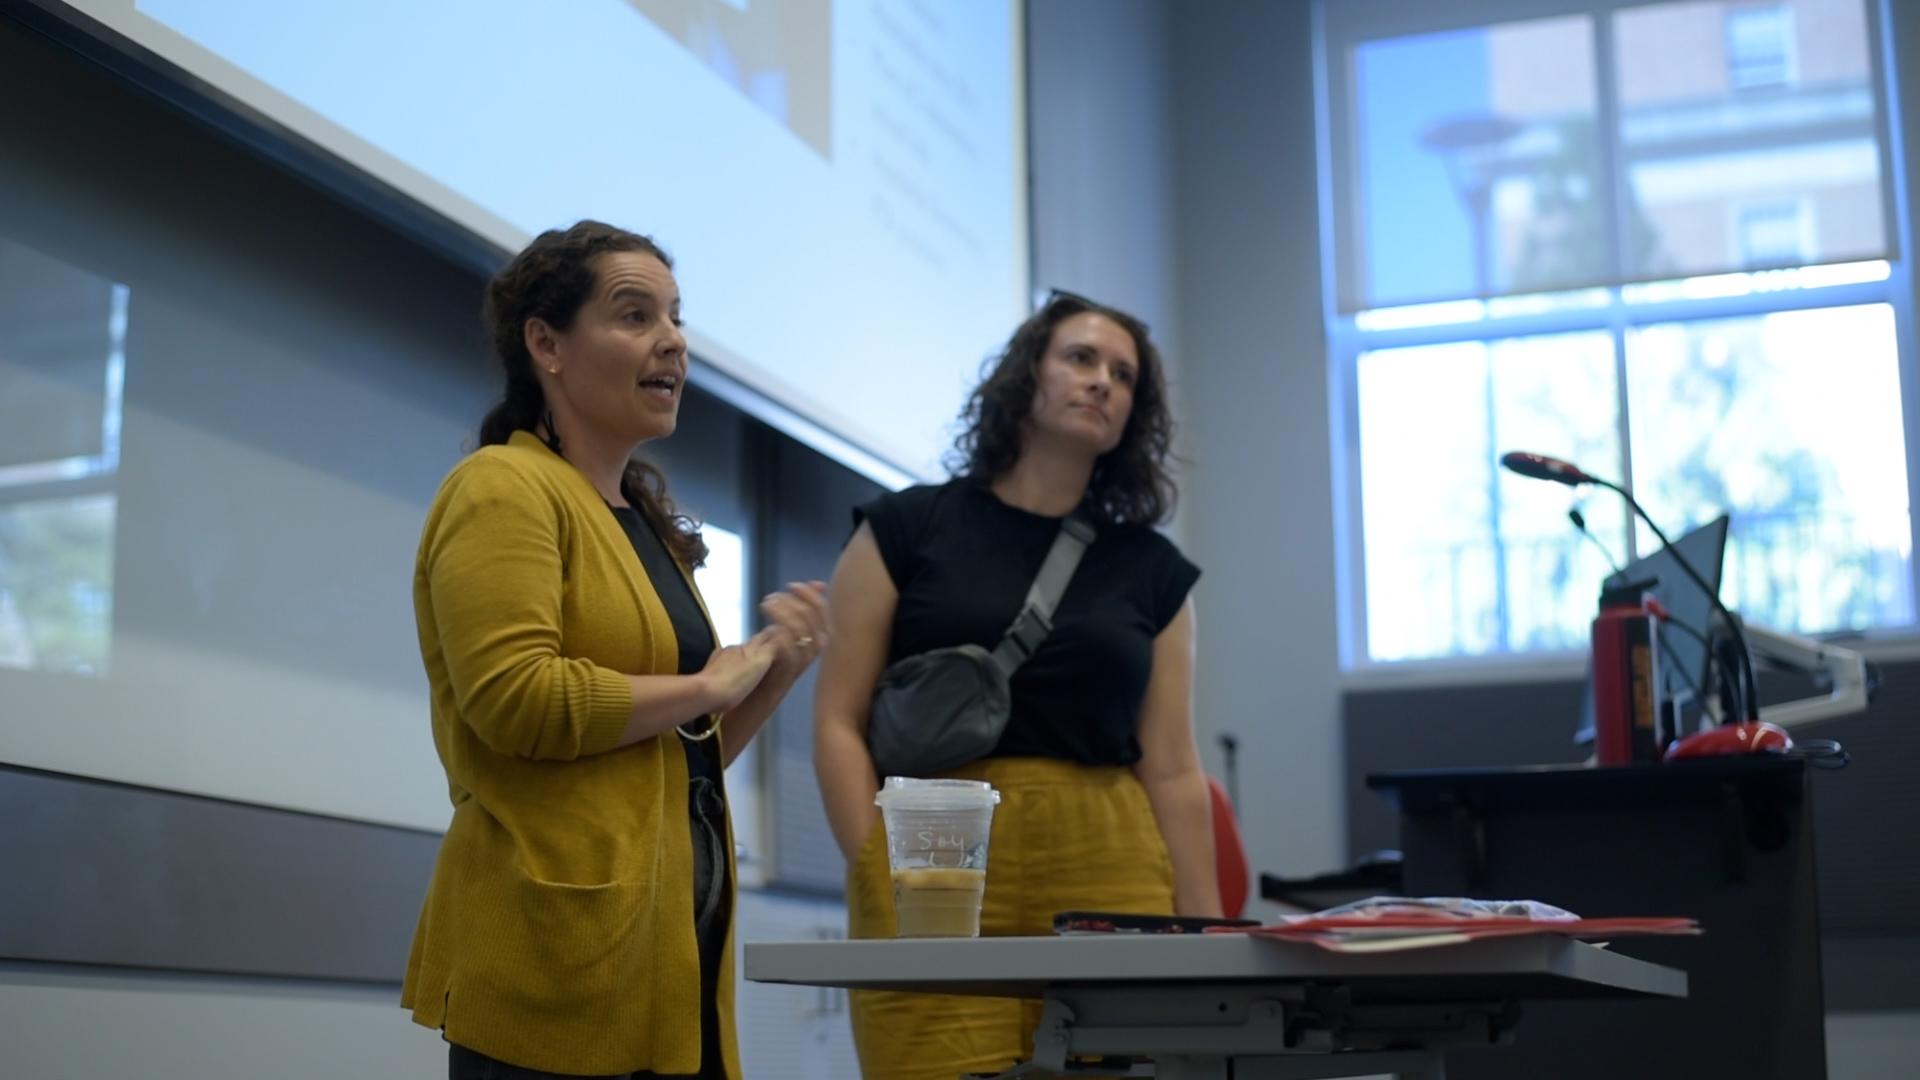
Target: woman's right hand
[[732, 673]]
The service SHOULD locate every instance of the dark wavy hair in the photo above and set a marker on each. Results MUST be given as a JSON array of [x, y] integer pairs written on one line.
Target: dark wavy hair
[[1131, 483], [551, 279]]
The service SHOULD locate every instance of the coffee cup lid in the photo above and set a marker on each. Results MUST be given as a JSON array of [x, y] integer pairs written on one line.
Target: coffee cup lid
[[907, 793]]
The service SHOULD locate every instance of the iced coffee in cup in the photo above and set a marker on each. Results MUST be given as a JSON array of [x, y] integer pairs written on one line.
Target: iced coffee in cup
[[937, 849]]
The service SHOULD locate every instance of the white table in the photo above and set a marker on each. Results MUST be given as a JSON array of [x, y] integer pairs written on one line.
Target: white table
[[1218, 1006]]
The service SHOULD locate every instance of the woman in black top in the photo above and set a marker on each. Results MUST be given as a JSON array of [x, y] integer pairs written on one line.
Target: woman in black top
[[1104, 804]]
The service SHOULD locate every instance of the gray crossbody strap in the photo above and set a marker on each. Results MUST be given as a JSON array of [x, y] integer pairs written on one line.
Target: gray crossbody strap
[[1035, 620]]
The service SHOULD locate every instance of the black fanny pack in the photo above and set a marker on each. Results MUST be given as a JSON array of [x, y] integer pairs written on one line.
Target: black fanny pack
[[938, 710]]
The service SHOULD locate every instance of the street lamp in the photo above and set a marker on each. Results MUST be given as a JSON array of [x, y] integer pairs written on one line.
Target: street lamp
[[1468, 145]]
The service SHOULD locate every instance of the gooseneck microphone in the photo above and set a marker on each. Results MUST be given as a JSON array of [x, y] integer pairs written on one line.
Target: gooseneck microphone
[[1542, 467], [1580, 522]]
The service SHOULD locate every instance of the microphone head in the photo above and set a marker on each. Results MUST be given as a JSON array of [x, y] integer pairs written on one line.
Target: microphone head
[[1542, 467]]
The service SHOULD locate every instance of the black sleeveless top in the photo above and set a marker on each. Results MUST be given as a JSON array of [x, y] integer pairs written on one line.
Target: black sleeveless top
[[963, 561]]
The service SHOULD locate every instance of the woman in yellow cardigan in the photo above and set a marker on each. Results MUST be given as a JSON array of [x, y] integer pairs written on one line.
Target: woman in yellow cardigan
[[579, 920]]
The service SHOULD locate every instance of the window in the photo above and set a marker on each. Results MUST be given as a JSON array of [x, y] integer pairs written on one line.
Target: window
[[1760, 46], [1791, 419], [723, 585], [62, 362], [1776, 233], [1591, 234]]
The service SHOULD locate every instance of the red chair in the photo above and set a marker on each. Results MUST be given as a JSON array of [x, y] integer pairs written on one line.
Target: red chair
[[1229, 853]]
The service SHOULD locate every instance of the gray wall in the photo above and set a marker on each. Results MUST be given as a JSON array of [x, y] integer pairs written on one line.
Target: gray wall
[[1101, 126], [1259, 498], [1174, 174]]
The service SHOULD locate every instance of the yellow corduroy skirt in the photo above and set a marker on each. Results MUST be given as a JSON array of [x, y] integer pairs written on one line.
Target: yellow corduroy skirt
[[1066, 837]]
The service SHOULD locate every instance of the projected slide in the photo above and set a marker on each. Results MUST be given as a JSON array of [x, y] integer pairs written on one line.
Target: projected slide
[[779, 54], [841, 181]]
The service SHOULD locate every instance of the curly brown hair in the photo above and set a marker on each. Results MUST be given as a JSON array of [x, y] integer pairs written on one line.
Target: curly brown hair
[[551, 279], [1132, 483]]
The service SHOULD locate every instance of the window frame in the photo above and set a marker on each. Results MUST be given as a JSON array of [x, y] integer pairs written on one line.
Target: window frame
[[78, 476], [1340, 28]]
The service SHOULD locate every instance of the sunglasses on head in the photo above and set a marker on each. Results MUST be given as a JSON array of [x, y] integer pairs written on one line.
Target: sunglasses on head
[[1056, 295]]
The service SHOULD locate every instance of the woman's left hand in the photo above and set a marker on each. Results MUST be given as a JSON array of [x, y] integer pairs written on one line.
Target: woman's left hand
[[799, 611]]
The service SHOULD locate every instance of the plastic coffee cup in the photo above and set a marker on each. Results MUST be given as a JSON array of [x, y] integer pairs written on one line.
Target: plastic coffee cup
[[937, 834]]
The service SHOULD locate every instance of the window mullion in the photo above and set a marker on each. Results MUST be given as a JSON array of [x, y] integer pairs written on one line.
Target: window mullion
[[1617, 199], [1613, 194], [1502, 604], [1617, 330], [1348, 488], [1512, 326], [1894, 147]]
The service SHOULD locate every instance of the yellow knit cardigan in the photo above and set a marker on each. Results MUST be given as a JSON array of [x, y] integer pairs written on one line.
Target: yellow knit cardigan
[[558, 931]]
